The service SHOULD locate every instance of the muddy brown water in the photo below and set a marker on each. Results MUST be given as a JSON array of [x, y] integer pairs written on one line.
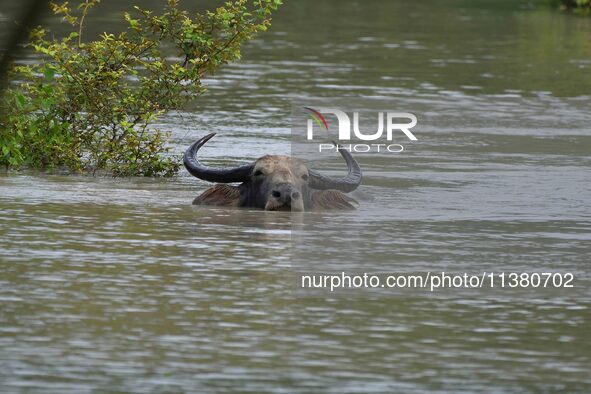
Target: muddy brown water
[[120, 285]]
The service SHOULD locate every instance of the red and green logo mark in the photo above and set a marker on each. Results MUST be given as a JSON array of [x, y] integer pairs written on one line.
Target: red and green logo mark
[[318, 118]]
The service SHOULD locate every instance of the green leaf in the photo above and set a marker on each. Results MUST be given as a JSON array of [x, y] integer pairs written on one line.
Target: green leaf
[[49, 74], [21, 100]]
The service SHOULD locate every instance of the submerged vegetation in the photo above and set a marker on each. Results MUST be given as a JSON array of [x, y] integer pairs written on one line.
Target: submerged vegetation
[[582, 7], [88, 105]]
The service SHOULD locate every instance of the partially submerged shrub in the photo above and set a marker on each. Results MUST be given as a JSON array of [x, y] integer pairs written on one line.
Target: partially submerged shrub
[[87, 106]]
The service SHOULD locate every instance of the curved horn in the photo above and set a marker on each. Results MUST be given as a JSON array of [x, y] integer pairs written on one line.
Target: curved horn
[[223, 175], [346, 184]]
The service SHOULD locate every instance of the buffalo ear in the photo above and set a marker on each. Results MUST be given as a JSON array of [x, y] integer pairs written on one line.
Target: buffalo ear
[[332, 199], [219, 194]]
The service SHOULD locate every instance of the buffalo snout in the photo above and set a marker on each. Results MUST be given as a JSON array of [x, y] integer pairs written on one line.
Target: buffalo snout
[[284, 193]]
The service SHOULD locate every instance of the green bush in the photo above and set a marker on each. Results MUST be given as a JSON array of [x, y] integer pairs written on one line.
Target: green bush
[[87, 106], [582, 7]]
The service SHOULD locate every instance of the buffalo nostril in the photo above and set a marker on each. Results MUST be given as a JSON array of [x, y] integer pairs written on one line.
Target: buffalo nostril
[[275, 194], [295, 195]]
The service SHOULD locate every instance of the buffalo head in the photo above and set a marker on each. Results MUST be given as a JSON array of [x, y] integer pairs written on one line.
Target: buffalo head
[[274, 183]]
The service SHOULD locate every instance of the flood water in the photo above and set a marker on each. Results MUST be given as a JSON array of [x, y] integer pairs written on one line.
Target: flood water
[[120, 285]]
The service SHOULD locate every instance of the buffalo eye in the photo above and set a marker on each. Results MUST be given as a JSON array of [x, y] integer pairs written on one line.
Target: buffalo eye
[[305, 177], [258, 173]]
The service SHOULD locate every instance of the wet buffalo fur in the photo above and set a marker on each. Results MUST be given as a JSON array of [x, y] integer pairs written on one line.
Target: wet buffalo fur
[[219, 195], [239, 196]]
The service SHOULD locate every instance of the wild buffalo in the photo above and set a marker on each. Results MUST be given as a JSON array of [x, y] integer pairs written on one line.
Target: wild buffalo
[[274, 183]]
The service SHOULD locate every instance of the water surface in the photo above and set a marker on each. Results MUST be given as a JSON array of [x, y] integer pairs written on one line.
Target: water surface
[[120, 285]]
